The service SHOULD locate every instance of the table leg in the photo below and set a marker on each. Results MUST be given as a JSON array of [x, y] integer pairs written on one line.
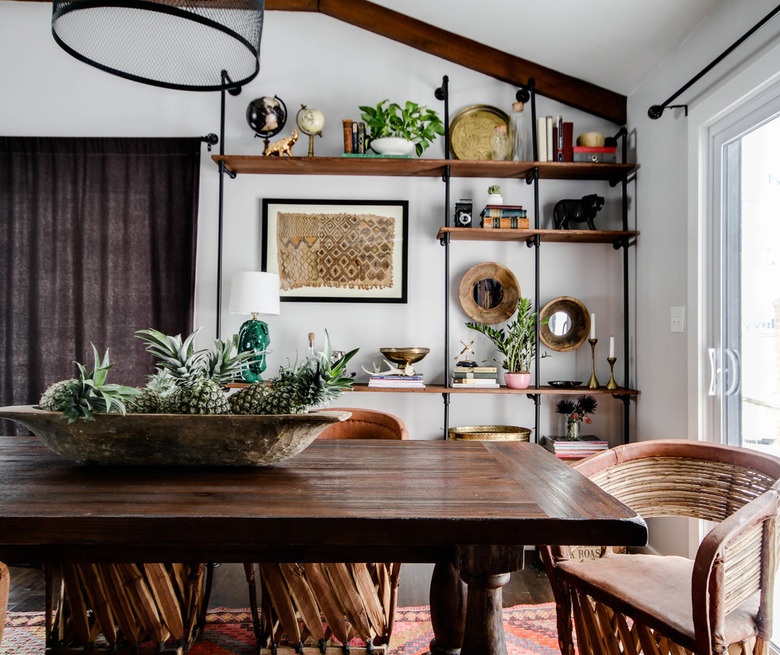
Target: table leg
[[484, 633], [448, 610]]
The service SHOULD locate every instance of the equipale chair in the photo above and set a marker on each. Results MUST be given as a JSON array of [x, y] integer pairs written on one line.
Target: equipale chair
[[5, 581], [314, 602], [720, 602]]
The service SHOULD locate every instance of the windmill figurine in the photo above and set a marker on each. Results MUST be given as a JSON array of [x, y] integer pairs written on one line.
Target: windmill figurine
[[465, 352]]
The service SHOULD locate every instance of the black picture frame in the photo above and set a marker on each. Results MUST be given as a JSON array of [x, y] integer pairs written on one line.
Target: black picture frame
[[350, 250]]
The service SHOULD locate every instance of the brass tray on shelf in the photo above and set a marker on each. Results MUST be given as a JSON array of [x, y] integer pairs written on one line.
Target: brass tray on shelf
[[471, 131]]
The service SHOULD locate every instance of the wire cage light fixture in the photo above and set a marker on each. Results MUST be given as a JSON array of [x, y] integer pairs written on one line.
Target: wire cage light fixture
[[190, 45]]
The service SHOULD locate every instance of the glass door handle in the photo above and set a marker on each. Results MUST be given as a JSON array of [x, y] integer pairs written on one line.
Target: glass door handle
[[734, 370], [714, 372]]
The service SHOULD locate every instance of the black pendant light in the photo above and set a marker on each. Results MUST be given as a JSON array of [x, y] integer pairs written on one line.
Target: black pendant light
[[192, 45]]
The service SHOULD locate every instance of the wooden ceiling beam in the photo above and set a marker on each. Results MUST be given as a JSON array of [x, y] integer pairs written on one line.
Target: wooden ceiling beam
[[468, 53]]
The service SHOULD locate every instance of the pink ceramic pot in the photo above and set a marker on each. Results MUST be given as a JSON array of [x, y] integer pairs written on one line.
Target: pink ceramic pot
[[517, 380]]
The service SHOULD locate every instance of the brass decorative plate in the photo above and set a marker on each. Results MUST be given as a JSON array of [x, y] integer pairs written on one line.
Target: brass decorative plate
[[471, 131]]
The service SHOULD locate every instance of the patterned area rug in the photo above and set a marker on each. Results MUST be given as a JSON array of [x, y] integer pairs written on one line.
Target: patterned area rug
[[530, 630]]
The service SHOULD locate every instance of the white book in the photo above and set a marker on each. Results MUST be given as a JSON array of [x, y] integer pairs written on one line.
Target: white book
[[549, 135], [541, 139]]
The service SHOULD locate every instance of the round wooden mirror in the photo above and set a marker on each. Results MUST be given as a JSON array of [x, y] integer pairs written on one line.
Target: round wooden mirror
[[564, 324], [489, 293]]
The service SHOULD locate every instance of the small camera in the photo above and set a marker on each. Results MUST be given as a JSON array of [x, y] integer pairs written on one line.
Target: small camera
[[463, 213]]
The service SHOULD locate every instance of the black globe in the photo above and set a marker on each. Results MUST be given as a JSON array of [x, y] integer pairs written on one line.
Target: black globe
[[266, 115]]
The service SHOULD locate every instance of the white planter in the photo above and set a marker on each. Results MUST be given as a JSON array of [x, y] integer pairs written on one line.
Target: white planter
[[495, 199], [392, 145]]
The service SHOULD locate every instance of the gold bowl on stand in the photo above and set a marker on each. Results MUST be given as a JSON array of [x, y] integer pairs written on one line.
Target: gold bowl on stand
[[405, 357]]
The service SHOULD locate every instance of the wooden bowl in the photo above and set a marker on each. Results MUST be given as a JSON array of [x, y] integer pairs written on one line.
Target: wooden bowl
[[175, 439]]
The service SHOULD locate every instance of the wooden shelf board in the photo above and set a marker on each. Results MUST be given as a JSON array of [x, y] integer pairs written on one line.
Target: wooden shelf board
[[439, 388], [549, 236], [259, 165]]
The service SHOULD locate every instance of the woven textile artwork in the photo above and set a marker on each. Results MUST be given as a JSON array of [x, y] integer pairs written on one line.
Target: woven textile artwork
[[339, 250]]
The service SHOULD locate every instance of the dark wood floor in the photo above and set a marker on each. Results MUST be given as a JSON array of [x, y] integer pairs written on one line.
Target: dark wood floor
[[529, 586]]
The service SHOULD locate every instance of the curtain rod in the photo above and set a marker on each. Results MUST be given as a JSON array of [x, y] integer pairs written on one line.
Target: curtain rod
[[656, 111]]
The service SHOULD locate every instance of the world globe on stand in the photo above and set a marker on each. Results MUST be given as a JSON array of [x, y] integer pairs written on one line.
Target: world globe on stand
[[267, 116]]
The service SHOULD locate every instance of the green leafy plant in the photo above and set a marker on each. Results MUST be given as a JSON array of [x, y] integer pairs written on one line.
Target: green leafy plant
[[495, 189], [517, 343], [413, 122]]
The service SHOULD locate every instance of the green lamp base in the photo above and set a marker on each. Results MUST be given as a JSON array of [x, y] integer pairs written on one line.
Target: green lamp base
[[253, 336]]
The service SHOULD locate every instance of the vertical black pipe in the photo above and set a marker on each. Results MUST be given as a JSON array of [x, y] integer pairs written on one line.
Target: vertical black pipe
[[220, 215], [626, 294]]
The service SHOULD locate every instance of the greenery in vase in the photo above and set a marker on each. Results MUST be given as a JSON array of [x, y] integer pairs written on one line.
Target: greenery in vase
[[413, 122], [494, 190], [576, 412], [517, 341]]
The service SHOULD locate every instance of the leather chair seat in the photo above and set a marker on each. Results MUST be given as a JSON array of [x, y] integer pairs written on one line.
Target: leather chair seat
[[657, 591]]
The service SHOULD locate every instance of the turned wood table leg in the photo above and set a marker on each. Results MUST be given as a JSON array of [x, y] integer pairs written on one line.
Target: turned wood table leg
[[448, 610], [484, 631]]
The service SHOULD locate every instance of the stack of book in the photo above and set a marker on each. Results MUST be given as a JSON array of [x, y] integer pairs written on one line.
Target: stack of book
[[396, 382], [504, 216], [585, 446], [475, 377]]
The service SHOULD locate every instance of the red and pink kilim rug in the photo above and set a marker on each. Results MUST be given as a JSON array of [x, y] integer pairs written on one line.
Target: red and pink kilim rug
[[530, 630]]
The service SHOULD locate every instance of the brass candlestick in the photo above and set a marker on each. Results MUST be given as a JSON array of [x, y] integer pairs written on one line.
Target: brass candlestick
[[612, 384], [593, 383]]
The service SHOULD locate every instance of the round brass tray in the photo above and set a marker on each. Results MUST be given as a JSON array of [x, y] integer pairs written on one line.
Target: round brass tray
[[471, 131], [489, 433]]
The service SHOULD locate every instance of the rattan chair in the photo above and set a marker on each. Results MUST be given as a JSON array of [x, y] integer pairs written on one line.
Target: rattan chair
[[307, 605], [5, 584], [719, 602]]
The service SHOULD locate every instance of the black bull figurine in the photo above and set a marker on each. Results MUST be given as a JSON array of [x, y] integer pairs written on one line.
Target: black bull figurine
[[583, 210]]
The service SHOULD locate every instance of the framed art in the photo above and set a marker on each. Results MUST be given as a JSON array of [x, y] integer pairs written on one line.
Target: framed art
[[337, 250]]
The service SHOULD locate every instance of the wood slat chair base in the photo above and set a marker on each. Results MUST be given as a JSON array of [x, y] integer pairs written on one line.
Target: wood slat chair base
[[5, 585], [324, 605], [120, 607], [719, 602]]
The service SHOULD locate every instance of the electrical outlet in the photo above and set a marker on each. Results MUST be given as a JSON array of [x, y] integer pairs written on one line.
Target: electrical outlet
[[677, 319]]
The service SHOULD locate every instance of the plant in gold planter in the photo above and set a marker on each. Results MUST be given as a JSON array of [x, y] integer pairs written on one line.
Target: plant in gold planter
[[517, 343]]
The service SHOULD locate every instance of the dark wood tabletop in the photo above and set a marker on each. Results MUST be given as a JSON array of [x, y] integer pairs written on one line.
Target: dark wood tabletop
[[342, 500]]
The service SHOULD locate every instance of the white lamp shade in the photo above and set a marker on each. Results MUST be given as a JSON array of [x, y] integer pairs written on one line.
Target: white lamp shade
[[254, 292]]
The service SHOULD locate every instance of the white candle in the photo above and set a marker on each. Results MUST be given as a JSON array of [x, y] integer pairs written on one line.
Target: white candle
[[592, 325], [612, 346]]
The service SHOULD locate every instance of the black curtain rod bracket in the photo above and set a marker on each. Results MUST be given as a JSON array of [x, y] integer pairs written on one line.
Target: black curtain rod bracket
[[656, 111]]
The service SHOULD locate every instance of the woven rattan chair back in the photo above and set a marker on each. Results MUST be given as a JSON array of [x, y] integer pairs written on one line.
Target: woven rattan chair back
[[734, 487], [307, 606]]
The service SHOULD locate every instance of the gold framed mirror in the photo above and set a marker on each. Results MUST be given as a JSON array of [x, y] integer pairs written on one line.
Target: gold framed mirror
[[489, 293], [564, 324]]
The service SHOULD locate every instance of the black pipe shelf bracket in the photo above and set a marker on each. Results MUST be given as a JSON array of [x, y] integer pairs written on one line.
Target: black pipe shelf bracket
[[656, 111], [210, 139]]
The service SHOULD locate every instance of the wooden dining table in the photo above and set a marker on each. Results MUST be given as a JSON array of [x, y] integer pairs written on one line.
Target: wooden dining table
[[470, 507]]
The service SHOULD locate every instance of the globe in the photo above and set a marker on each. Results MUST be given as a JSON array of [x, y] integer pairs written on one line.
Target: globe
[[311, 120], [266, 116]]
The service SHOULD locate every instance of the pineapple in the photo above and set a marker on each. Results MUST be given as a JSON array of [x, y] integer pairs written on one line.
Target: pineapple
[[296, 389], [147, 401], [80, 397], [198, 375]]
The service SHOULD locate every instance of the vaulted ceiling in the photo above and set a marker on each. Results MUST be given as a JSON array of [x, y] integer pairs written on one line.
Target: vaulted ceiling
[[589, 54]]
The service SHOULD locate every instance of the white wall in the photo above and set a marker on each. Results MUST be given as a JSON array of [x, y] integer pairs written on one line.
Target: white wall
[[666, 362], [312, 59]]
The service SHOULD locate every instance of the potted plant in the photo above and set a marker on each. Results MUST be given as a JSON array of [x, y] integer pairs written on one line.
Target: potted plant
[[517, 343], [397, 130], [576, 413], [494, 195]]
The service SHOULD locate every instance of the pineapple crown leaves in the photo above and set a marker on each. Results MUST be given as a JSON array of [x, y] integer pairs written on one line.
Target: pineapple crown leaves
[[90, 393], [175, 355], [225, 364], [333, 370]]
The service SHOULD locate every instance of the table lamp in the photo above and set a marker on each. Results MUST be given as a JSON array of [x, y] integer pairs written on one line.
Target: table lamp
[[254, 292]]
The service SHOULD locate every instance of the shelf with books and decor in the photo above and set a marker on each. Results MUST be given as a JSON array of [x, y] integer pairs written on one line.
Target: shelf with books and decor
[[527, 230]]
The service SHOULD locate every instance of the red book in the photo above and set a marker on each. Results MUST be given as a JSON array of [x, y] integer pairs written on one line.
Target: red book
[[568, 137]]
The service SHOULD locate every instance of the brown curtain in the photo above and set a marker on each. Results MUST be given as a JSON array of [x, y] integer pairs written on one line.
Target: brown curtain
[[97, 240]]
